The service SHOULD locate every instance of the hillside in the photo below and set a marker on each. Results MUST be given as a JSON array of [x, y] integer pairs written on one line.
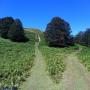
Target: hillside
[[32, 30], [16, 60], [36, 66], [56, 69]]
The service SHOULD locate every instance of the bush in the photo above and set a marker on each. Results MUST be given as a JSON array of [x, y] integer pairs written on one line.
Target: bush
[[70, 41], [5, 24], [83, 38], [78, 37], [12, 29], [16, 32], [58, 33], [86, 38]]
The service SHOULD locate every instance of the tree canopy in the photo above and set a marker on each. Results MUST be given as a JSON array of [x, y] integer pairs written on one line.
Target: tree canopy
[[83, 38], [58, 33], [12, 29]]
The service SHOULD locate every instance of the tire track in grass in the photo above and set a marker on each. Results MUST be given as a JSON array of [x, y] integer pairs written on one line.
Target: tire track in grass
[[39, 79], [76, 76]]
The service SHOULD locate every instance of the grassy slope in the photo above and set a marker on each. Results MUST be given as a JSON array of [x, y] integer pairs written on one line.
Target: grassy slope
[[84, 57], [55, 59], [16, 59]]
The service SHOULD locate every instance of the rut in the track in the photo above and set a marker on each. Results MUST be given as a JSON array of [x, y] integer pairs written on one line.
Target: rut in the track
[[39, 79], [75, 77]]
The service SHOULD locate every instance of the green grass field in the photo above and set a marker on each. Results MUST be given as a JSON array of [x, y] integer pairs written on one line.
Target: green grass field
[[84, 57], [55, 59], [16, 60]]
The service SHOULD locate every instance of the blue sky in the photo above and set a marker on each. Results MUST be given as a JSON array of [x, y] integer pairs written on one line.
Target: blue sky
[[37, 13]]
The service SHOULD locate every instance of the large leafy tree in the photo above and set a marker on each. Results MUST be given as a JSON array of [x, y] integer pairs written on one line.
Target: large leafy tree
[[16, 32], [58, 33], [5, 24]]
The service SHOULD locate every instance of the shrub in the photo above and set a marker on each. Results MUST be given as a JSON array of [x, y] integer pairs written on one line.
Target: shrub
[[16, 32], [58, 33], [5, 24], [83, 38], [86, 38]]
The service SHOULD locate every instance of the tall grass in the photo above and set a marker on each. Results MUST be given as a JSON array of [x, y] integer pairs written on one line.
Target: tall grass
[[55, 59], [84, 56], [16, 60]]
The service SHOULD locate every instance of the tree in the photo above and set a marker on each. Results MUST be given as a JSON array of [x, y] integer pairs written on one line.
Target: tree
[[78, 37], [70, 41], [86, 38], [58, 33], [16, 32], [83, 38], [5, 24]]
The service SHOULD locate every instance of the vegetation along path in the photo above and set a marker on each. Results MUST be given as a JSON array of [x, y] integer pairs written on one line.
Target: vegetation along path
[[39, 79], [75, 77]]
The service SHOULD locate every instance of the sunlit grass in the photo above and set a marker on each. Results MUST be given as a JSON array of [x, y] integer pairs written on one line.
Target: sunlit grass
[[55, 59], [16, 60], [84, 56]]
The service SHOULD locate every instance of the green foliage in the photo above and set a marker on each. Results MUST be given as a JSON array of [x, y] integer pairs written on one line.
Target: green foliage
[[5, 24], [57, 33], [16, 32], [83, 38], [54, 58], [12, 29], [84, 56], [86, 38], [43, 42], [16, 60]]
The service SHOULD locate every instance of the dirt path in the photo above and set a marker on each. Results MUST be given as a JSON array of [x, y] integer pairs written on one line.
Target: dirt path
[[39, 79], [76, 77]]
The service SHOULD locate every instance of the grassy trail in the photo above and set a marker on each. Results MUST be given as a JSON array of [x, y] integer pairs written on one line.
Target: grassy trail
[[39, 79], [75, 77]]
